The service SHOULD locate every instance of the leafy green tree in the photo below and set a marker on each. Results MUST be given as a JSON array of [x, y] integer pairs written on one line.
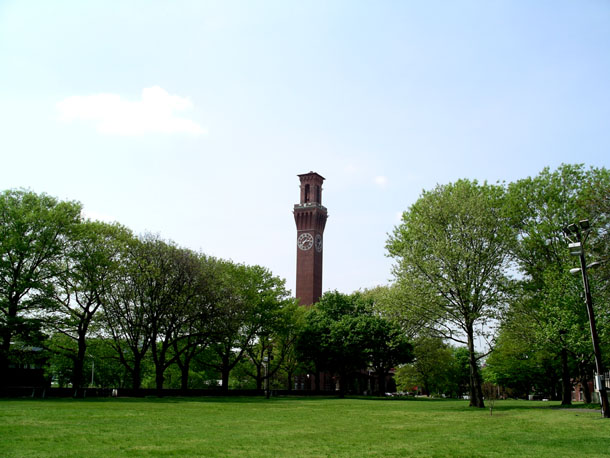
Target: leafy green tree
[[204, 315], [34, 229], [275, 341], [171, 280], [126, 308], [334, 338], [391, 301], [90, 259], [312, 343], [438, 368], [518, 363], [541, 207], [286, 338], [103, 364], [460, 371], [431, 368], [452, 253], [343, 335], [250, 297], [387, 346], [156, 304]]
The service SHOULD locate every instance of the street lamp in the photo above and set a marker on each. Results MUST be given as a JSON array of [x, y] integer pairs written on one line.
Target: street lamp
[[577, 235], [266, 364], [92, 369]]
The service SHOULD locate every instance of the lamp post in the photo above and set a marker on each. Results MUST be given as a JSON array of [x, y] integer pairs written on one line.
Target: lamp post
[[266, 364], [577, 235], [92, 369]]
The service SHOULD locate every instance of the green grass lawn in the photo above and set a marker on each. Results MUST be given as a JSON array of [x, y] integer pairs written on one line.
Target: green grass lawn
[[296, 427]]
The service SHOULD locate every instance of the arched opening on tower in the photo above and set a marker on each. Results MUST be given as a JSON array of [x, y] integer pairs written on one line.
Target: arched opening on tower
[[306, 193]]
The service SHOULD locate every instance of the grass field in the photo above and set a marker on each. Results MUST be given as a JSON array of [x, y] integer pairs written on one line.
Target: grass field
[[296, 427]]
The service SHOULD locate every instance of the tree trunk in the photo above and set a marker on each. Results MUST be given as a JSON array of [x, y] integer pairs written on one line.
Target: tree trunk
[[381, 382], [184, 372], [7, 334], [476, 391], [259, 378], [225, 374], [586, 391], [136, 373], [289, 378], [159, 379], [566, 385], [79, 363]]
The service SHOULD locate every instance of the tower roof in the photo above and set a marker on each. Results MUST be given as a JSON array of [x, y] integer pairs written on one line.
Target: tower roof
[[311, 174]]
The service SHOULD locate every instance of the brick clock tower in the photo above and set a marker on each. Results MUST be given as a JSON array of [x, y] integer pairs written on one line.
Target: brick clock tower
[[310, 217]]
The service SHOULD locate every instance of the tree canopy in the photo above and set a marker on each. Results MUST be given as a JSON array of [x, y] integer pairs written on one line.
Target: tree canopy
[[452, 251]]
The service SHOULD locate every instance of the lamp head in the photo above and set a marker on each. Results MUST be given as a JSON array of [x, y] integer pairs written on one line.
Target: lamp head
[[575, 248], [575, 270]]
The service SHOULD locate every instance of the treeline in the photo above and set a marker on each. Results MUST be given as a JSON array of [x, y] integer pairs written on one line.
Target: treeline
[[94, 305], [482, 293], [487, 267]]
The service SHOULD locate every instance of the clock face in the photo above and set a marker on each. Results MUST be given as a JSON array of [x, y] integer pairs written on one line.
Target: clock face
[[305, 241], [318, 243]]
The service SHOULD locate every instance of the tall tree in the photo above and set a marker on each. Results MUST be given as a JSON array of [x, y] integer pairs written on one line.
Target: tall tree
[[387, 347], [250, 296], [519, 362], [126, 311], [437, 368], [33, 231], [89, 263], [171, 278], [452, 252], [204, 315], [541, 207], [275, 341]]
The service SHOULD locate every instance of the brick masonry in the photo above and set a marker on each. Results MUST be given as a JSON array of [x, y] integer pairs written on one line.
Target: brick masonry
[[310, 217]]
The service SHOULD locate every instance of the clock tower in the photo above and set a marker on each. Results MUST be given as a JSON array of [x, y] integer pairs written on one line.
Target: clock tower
[[310, 217]]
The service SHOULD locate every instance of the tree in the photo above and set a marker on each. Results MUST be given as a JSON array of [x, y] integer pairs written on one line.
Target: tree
[[430, 369], [390, 301], [250, 296], [437, 368], [33, 232], [452, 252], [204, 316], [90, 259], [334, 338], [540, 208], [126, 311], [172, 281], [519, 363], [386, 346], [275, 341], [344, 335], [311, 345]]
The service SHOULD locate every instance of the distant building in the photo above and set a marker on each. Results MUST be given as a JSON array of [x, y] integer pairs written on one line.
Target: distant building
[[310, 218]]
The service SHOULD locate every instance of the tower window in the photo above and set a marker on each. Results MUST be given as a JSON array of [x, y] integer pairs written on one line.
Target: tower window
[[306, 193], [318, 195]]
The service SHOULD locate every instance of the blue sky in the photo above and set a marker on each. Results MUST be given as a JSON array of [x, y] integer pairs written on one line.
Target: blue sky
[[191, 119]]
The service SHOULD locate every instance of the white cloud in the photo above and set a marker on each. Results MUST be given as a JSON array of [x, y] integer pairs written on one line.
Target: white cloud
[[112, 115], [381, 181]]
